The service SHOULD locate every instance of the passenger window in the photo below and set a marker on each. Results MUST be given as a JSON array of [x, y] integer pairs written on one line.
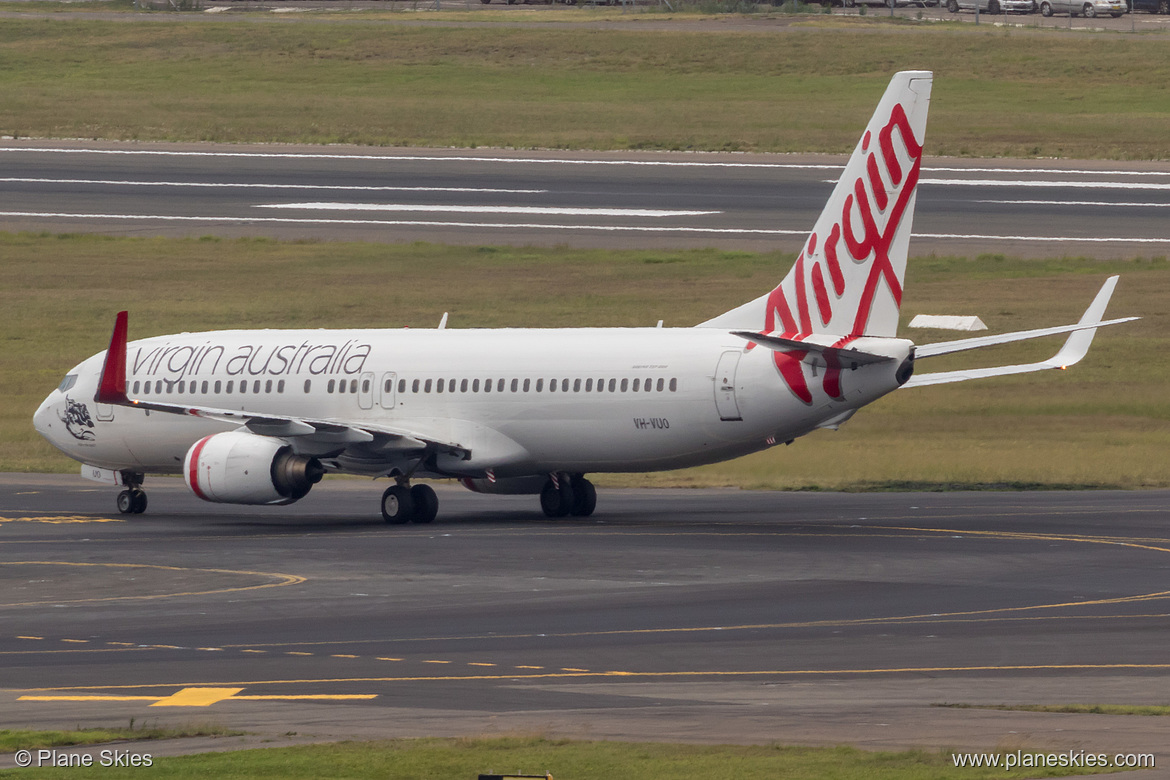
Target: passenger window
[[158, 387], [463, 386], [308, 385], [230, 384], [268, 386], [341, 385], [353, 385], [539, 385], [475, 385], [182, 386], [427, 386], [625, 385], [256, 387], [487, 386], [515, 383], [589, 385], [401, 386], [576, 385], [414, 386], [612, 384], [649, 384], [204, 388], [280, 386], [499, 385], [526, 385], [636, 381], [673, 385], [134, 389], [366, 385], [660, 384], [552, 385], [329, 387], [439, 386], [145, 388]]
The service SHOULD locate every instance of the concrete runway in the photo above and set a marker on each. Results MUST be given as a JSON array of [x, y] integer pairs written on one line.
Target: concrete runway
[[693, 615], [611, 200]]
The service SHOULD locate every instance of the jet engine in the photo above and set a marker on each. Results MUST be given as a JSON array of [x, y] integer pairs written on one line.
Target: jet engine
[[243, 468]]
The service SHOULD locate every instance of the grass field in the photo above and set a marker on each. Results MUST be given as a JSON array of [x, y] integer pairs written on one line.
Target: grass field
[[997, 91], [1104, 423], [464, 759]]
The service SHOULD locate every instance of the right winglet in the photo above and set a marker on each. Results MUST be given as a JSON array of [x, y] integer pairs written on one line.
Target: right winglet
[[112, 385]]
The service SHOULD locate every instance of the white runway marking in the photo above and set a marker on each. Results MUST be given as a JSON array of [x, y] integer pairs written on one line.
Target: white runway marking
[[232, 185], [534, 226], [1074, 203], [698, 163], [572, 212], [1089, 185]]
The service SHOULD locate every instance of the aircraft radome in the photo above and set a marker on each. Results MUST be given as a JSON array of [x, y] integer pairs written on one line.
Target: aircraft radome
[[259, 416]]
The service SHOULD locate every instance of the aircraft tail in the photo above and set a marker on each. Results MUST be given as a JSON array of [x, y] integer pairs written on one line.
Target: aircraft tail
[[848, 279]]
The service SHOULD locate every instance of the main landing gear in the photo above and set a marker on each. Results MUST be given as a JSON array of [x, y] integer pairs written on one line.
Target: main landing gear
[[132, 500], [402, 503], [568, 494]]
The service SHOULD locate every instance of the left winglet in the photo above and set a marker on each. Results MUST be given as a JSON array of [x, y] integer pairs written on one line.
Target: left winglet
[[112, 385]]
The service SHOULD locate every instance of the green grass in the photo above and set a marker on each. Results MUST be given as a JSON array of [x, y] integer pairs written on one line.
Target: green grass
[[464, 759], [998, 92], [1104, 423], [14, 739]]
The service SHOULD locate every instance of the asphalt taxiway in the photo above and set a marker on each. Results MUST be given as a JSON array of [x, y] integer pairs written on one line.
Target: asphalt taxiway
[[698, 615]]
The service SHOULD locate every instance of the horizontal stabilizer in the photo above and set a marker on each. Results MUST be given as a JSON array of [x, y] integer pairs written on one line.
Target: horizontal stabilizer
[[814, 344], [1075, 347]]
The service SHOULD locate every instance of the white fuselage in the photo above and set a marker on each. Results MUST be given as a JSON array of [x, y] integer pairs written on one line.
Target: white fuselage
[[523, 402]]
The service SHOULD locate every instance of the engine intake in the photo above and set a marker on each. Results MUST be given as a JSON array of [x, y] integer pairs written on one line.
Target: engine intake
[[243, 468]]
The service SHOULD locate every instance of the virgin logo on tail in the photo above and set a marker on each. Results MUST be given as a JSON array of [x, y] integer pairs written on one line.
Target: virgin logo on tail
[[834, 285]]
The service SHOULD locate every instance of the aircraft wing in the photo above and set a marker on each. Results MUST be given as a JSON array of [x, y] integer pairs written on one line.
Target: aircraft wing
[[1075, 347], [112, 390]]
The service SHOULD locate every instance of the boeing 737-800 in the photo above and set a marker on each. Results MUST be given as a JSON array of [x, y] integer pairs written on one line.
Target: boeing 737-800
[[259, 416]]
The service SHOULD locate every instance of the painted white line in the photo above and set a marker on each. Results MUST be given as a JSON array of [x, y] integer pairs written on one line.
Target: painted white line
[[232, 185], [486, 209], [554, 161], [1089, 185], [533, 226], [1075, 203]]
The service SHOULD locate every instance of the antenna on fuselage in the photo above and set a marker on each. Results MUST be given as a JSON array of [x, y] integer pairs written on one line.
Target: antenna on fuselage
[[443, 322]]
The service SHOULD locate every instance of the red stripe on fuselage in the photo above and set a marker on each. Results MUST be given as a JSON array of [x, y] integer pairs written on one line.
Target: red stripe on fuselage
[[193, 468]]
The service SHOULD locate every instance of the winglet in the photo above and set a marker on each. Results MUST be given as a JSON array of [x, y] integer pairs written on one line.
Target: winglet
[[112, 385]]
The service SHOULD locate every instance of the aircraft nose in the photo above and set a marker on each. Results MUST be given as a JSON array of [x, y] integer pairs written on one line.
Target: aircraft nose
[[44, 417]]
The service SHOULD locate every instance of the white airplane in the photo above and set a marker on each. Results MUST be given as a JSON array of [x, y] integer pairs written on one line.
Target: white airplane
[[258, 416]]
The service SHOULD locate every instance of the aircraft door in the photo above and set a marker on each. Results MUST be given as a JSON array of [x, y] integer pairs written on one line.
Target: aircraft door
[[105, 412], [366, 390], [725, 402], [386, 395]]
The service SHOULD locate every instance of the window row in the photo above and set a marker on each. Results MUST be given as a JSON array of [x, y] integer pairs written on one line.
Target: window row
[[161, 386], [602, 385]]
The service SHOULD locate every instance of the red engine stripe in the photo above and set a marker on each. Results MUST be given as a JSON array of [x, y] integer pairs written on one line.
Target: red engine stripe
[[193, 468]]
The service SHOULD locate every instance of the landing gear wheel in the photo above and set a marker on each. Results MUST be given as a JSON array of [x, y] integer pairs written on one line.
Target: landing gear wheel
[[426, 503], [138, 501], [126, 502], [397, 505], [556, 499], [584, 497]]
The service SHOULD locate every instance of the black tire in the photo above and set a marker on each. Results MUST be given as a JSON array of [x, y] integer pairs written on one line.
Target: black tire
[[138, 497], [1045, 9], [584, 497], [397, 505], [126, 502], [556, 501], [1088, 11], [953, 6], [426, 503]]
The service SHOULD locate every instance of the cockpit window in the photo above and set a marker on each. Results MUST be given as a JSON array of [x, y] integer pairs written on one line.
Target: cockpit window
[[69, 381]]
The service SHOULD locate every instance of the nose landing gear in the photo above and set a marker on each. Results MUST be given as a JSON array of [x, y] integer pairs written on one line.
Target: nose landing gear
[[132, 500]]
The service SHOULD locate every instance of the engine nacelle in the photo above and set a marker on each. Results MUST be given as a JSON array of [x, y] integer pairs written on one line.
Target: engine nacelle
[[243, 468]]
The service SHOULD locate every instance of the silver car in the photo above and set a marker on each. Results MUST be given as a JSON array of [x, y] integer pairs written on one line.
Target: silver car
[[992, 6], [1088, 8]]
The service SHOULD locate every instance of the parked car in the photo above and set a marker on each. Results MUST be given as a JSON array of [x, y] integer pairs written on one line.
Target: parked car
[[1151, 6], [993, 6], [1088, 8]]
